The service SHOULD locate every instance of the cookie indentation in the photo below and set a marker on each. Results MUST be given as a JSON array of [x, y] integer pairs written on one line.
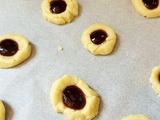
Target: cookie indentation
[[151, 4], [73, 97], [8, 47], [58, 6], [98, 36], [159, 77]]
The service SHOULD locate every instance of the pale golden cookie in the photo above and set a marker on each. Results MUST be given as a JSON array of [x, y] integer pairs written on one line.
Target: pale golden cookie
[[146, 8], [135, 117], [72, 97], [99, 39], [155, 79], [2, 111], [59, 11], [14, 49]]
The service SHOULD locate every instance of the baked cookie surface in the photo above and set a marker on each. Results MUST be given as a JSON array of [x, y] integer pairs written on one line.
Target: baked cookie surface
[[59, 11], [72, 97], [147, 8], [135, 117], [99, 39], [14, 49], [155, 79], [2, 111]]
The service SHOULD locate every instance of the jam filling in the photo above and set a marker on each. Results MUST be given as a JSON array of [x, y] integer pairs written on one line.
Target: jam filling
[[98, 36], [73, 97], [159, 77], [8, 47], [151, 4], [57, 6]]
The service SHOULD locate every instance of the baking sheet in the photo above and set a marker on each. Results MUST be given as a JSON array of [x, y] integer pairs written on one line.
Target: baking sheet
[[121, 78]]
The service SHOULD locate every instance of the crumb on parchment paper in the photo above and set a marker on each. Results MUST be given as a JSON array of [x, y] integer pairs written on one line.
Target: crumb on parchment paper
[[93, 58], [60, 48]]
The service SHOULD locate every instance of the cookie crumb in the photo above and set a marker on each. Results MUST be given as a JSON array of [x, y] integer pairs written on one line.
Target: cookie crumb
[[60, 48], [93, 58]]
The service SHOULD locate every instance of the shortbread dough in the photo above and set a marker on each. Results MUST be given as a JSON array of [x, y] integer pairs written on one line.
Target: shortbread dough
[[14, 49], [2, 111], [144, 11], [89, 99], [107, 39], [61, 12], [155, 79], [135, 117]]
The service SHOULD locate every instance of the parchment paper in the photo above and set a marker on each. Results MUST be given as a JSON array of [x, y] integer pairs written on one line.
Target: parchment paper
[[121, 78]]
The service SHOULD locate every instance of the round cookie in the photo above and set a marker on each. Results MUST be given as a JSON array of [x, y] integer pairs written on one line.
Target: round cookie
[[147, 8], [135, 117], [155, 79], [99, 39], [72, 97], [59, 11], [2, 111], [14, 49]]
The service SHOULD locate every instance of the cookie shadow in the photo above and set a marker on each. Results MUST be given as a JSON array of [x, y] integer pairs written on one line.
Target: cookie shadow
[[9, 111], [79, 10]]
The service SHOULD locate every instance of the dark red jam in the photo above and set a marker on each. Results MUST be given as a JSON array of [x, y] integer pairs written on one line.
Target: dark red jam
[[159, 77], [73, 97], [58, 6], [98, 36], [8, 47], [151, 4]]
